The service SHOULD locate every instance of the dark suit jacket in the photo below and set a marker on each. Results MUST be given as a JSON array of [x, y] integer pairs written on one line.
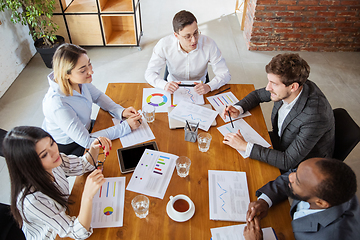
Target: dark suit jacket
[[308, 130], [338, 222]]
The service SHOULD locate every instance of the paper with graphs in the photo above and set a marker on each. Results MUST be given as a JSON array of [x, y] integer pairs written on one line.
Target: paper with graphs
[[235, 232], [187, 94], [194, 114], [228, 195]]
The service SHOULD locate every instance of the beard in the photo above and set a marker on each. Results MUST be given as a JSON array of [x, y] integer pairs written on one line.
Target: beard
[[296, 196]]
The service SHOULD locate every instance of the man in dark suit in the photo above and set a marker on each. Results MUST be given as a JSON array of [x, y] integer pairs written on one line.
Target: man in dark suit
[[324, 207], [302, 118]]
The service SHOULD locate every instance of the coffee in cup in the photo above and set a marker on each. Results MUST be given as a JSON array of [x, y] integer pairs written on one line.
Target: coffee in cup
[[181, 205]]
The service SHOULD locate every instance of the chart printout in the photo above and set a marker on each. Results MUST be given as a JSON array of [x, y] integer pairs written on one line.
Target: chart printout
[[158, 98], [249, 134], [228, 195], [108, 204], [235, 232], [194, 114], [187, 94], [153, 173], [220, 101]]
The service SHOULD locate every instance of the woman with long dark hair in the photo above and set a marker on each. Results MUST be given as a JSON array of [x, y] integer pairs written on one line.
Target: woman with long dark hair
[[39, 187]]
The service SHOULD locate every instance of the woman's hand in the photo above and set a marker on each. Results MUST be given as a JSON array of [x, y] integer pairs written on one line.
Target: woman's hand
[[128, 112], [134, 121], [101, 142], [92, 184]]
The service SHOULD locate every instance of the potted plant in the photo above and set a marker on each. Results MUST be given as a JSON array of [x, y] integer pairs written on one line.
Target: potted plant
[[37, 15]]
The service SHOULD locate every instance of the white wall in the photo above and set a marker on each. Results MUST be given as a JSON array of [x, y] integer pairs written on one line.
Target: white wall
[[16, 50]]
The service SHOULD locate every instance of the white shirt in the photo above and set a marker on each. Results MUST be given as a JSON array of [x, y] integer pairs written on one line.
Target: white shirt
[[46, 217], [183, 66], [282, 113]]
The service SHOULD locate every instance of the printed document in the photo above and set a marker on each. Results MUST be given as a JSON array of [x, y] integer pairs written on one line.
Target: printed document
[[153, 173], [187, 94], [108, 204], [194, 114], [139, 135], [235, 232], [249, 134], [228, 195], [220, 101], [158, 98]]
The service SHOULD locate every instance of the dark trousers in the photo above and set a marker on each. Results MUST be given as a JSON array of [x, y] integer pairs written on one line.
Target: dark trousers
[[74, 148], [9, 230]]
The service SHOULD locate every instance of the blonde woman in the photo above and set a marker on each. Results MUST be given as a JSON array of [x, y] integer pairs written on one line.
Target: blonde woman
[[68, 103]]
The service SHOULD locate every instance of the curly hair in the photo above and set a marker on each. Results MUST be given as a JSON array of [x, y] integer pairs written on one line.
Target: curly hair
[[339, 184], [290, 67], [182, 19]]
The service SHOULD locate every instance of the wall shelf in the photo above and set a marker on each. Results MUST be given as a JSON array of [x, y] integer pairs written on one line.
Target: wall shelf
[[99, 22]]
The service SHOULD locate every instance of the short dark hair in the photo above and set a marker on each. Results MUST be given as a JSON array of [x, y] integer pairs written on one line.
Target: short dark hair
[[339, 185], [290, 67], [182, 19]]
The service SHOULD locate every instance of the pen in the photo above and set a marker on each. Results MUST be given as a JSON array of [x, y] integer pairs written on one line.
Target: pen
[[139, 121], [188, 125], [186, 85], [230, 118], [222, 91]]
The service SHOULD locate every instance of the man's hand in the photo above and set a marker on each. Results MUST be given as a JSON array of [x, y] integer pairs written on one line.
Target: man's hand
[[201, 88], [258, 209], [171, 87], [235, 140], [252, 230], [234, 113]]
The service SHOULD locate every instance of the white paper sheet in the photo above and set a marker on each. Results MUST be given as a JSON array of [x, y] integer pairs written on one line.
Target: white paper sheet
[[194, 113], [108, 204], [228, 195], [158, 98], [220, 101], [235, 232], [249, 134], [187, 94], [139, 135], [153, 173]]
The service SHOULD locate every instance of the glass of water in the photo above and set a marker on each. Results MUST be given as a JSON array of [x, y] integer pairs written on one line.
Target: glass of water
[[183, 166], [140, 205], [204, 140], [149, 113]]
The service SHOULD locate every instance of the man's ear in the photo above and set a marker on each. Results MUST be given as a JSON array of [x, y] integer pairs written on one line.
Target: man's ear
[[294, 87], [176, 35], [322, 203]]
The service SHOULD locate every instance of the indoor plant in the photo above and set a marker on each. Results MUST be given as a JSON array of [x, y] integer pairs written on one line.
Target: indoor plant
[[37, 15]]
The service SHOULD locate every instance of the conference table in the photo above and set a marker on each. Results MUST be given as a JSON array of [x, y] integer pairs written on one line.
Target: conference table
[[157, 225]]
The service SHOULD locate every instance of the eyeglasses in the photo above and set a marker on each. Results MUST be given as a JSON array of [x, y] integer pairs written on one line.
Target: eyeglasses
[[100, 164], [189, 36]]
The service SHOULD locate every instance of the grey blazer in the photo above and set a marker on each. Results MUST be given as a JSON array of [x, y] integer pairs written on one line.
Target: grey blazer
[[308, 130], [338, 222]]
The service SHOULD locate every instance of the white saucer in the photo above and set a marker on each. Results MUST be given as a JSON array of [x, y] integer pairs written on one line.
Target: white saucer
[[170, 212]]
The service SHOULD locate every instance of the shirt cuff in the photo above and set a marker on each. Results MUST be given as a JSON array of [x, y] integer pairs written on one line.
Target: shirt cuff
[[80, 232], [264, 197], [249, 147], [239, 108]]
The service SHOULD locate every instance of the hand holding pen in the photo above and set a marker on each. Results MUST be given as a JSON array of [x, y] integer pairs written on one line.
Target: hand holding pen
[[230, 111]]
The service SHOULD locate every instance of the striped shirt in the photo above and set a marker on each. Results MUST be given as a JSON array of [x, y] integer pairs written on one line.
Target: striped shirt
[[46, 218]]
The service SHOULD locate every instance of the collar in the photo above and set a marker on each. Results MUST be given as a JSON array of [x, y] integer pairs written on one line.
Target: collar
[[290, 105]]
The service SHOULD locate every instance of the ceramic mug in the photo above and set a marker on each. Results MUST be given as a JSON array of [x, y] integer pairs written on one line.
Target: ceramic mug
[[180, 204]]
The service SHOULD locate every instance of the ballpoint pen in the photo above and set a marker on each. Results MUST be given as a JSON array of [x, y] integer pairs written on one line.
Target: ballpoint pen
[[230, 118], [222, 91]]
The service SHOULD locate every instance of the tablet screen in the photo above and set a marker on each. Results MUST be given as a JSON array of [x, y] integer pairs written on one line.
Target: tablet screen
[[130, 156]]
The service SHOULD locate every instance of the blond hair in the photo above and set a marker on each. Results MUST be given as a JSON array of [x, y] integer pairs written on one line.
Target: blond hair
[[64, 61]]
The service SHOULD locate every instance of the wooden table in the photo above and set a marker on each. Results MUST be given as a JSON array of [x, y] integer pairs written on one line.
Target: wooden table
[[157, 225]]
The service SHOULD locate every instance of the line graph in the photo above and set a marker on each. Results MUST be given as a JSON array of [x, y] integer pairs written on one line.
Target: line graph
[[191, 116], [224, 191]]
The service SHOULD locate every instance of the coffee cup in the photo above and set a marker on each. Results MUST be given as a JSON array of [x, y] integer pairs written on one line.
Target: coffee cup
[[181, 204]]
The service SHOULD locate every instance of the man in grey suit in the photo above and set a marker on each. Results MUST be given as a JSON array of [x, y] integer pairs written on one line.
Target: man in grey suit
[[324, 207], [302, 118]]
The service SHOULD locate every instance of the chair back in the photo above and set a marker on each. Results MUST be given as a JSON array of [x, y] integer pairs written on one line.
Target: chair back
[[347, 134]]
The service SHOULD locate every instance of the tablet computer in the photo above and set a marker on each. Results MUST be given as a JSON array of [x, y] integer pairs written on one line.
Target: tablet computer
[[130, 156]]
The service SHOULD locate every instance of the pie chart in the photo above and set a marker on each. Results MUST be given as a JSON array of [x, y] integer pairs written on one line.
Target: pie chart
[[108, 211]]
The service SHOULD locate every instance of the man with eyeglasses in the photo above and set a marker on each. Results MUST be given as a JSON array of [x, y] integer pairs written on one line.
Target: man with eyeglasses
[[186, 55]]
